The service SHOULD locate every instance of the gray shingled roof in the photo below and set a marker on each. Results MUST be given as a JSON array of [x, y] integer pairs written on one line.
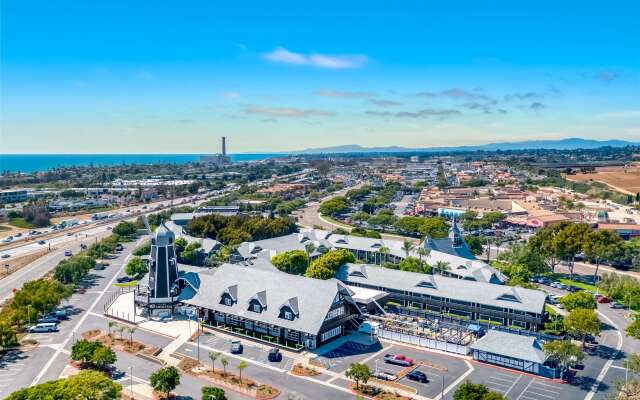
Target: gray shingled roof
[[526, 348], [309, 298], [266, 249], [452, 288]]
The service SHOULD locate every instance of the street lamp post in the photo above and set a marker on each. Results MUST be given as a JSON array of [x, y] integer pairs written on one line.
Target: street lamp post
[[442, 393], [131, 381]]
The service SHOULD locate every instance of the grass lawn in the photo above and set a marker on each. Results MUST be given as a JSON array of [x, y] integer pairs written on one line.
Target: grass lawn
[[20, 223], [550, 310], [4, 228], [126, 284], [335, 221]]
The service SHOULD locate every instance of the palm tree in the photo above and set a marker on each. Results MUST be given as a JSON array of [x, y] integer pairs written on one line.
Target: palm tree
[[442, 266], [224, 361], [120, 330], [213, 356], [242, 365], [423, 252], [110, 325], [309, 248], [384, 251], [131, 331], [407, 246]]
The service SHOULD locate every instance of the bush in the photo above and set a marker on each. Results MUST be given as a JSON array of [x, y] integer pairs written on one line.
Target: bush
[[143, 250], [73, 269], [86, 385], [165, 380], [413, 264], [125, 229], [94, 354], [213, 393]]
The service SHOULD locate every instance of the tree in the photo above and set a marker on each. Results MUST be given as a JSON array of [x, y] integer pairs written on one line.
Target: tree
[[136, 267], [131, 331], [309, 248], [563, 352], [633, 329], [165, 380], [543, 243], [568, 242], [475, 244], [241, 366], [103, 357], [423, 252], [83, 350], [213, 356], [471, 391], [599, 245], [7, 336], [292, 262], [578, 300], [336, 205], [125, 229], [442, 266], [582, 322], [413, 264], [383, 250], [407, 246], [213, 393], [224, 361], [110, 325], [92, 385], [325, 266], [359, 373]]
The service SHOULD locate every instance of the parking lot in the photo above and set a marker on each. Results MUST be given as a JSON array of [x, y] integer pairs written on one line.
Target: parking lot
[[340, 358], [252, 351], [441, 370], [12, 363]]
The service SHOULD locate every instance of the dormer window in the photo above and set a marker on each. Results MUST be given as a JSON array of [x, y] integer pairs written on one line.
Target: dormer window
[[288, 315], [228, 301], [256, 307], [426, 284]]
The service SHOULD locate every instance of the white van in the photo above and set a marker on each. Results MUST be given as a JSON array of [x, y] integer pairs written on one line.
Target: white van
[[44, 327]]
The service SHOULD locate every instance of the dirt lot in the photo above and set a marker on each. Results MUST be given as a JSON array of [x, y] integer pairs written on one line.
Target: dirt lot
[[623, 179]]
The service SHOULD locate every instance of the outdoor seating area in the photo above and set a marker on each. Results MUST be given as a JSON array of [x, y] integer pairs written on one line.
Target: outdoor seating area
[[253, 335]]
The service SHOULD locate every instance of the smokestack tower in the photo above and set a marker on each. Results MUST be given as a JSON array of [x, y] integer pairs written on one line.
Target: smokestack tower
[[224, 147]]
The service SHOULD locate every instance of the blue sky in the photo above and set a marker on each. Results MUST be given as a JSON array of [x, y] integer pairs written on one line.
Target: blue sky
[[171, 77]]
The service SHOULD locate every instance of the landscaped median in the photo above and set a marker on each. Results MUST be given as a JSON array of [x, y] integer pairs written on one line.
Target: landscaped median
[[228, 380]]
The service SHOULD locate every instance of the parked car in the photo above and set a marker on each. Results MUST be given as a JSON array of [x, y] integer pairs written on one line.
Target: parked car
[[119, 247], [385, 376], [417, 376], [615, 304], [604, 299], [41, 328], [68, 253], [49, 319], [236, 346], [42, 242], [124, 279], [274, 355], [60, 314], [6, 255], [398, 359]]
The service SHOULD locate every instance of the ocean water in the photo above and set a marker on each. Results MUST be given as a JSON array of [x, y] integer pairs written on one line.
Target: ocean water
[[44, 162]]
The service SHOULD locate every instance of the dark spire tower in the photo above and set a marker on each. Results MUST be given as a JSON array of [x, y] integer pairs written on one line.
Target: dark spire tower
[[224, 146], [163, 270]]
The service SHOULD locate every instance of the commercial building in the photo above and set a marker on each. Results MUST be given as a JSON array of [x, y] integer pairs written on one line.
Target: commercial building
[[267, 304], [457, 298], [523, 353], [13, 196], [452, 251], [259, 301]]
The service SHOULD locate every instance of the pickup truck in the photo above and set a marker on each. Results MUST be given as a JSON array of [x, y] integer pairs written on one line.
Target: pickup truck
[[398, 359]]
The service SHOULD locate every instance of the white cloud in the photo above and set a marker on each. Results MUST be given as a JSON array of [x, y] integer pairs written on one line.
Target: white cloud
[[340, 61], [287, 112], [343, 93]]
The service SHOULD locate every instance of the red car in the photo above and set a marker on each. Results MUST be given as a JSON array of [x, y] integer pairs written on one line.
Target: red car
[[603, 299], [398, 359]]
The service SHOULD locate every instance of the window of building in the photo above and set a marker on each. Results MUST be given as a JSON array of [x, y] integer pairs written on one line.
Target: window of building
[[256, 307], [331, 333], [288, 315], [228, 301], [336, 312]]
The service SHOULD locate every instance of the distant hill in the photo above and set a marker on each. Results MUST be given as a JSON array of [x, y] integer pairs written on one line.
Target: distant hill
[[561, 144]]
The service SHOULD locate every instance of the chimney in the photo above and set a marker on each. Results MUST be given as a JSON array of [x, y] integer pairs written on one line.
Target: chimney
[[224, 147]]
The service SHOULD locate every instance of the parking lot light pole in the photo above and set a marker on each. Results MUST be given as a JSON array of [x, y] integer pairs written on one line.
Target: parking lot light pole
[[442, 393], [131, 381]]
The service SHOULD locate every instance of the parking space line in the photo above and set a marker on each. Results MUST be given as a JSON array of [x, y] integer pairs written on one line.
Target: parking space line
[[546, 390], [542, 395], [525, 389], [546, 384], [501, 379]]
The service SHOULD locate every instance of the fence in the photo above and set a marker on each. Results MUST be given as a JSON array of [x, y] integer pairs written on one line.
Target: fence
[[423, 342], [117, 314]]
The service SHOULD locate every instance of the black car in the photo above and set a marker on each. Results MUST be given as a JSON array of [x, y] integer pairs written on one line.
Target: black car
[[274, 355], [124, 279], [417, 376]]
